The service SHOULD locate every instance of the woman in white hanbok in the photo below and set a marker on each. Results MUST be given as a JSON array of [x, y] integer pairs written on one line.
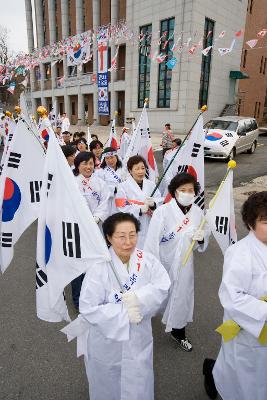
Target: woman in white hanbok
[[111, 172], [240, 369], [96, 195], [114, 328], [172, 228], [134, 195]]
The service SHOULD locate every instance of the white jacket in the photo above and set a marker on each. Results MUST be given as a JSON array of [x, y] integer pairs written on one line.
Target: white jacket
[[240, 370]]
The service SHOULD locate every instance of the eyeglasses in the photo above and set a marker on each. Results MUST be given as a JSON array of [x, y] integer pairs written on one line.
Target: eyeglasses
[[123, 239]]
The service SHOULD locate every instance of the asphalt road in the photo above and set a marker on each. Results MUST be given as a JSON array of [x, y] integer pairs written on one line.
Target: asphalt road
[[36, 362]]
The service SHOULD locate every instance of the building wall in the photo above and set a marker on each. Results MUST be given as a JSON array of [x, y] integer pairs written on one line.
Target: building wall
[[189, 19], [58, 19], [254, 89]]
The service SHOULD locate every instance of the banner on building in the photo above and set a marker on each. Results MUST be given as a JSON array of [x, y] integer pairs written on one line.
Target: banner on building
[[102, 78]]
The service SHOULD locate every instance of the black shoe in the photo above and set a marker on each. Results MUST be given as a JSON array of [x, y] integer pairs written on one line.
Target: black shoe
[[208, 378], [184, 343]]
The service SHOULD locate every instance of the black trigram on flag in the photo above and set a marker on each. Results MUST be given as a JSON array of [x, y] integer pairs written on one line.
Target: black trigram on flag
[[6, 239], [41, 277], [200, 200], [195, 150], [35, 188], [71, 239], [14, 160], [49, 182], [10, 136], [221, 224], [182, 168]]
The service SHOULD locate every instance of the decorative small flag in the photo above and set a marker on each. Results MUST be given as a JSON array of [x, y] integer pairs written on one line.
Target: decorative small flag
[[224, 50], [262, 33], [114, 61], [171, 63], [192, 49], [252, 43], [11, 88], [112, 140], [239, 33], [206, 51], [161, 57], [221, 35]]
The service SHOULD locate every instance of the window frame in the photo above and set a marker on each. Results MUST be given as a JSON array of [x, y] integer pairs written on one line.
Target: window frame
[[144, 65]]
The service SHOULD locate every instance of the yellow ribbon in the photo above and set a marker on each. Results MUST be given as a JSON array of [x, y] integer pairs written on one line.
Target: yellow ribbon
[[230, 329]]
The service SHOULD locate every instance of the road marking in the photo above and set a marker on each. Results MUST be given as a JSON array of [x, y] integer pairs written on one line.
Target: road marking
[[260, 144]]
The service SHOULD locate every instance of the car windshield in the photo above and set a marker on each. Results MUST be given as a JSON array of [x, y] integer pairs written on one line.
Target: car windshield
[[220, 124]]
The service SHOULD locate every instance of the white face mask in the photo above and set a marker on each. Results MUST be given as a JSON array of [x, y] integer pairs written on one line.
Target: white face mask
[[185, 199]]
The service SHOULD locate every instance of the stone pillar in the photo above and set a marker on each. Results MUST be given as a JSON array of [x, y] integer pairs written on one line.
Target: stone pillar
[[52, 35], [28, 10], [81, 120], [96, 23], [79, 16], [65, 33], [40, 40]]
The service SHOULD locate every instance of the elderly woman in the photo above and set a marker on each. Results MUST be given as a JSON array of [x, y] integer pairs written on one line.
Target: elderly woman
[[134, 195], [114, 328], [111, 172], [172, 229], [240, 369]]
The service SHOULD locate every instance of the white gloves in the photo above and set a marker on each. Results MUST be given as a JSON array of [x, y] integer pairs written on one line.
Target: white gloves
[[198, 235], [131, 302], [150, 201], [144, 208], [97, 219]]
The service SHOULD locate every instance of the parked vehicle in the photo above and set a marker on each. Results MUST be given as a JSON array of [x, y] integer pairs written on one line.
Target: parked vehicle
[[227, 136]]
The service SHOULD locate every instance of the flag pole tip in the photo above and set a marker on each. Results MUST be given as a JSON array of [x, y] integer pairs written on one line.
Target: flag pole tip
[[146, 100], [116, 113], [42, 111], [231, 164], [204, 108]]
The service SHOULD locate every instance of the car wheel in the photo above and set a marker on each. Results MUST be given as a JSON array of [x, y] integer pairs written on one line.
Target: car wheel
[[232, 154], [253, 147]]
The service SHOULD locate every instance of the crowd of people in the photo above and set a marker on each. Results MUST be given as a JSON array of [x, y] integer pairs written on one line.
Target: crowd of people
[[147, 242]]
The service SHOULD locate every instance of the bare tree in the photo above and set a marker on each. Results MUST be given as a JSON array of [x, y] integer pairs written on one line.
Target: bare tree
[[3, 45]]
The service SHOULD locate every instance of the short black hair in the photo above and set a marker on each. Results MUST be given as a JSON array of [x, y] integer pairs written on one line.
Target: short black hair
[[109, 225], [94, 135], [66, 133], [181, 179], [254, 208], [136, 160], [107, 150], [178, 141], [68, 150], [82, 156], [94, 144], [81, 140], [168, 124]]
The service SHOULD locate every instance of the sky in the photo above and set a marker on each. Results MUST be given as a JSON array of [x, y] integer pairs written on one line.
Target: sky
[[12, 17]]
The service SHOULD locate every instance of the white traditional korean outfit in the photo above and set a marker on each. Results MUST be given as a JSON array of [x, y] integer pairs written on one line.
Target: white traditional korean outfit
[[112, 178], [168, 238], [240, 370], [96, 194], [118, 354], [130, 191]]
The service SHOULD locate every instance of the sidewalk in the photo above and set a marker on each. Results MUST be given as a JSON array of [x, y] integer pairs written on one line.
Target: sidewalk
[[103, 133]]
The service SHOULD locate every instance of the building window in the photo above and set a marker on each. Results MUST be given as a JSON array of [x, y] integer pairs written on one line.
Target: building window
[[73, 110], [259, 109], [165, 74], [206, 63], [250, 6], [264, 66], [244, 58], [144, 64]]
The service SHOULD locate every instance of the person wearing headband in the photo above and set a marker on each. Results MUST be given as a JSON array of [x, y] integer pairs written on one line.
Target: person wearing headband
[[111, 172]]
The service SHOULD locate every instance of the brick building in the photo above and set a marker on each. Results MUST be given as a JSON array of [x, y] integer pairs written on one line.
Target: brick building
[[252, 92], [174, 95]]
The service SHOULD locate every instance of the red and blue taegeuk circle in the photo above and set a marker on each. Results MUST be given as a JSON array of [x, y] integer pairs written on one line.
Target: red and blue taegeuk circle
[[213, 136], [48, 244], [11, 200]]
